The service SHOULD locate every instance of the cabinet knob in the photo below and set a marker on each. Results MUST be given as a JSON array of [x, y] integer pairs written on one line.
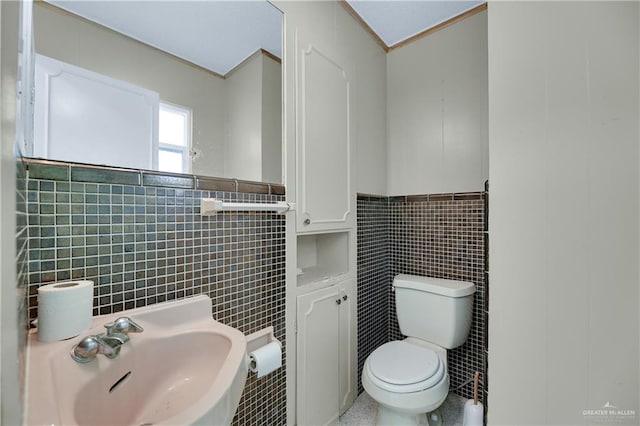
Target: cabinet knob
[[307, 221], [338, 301]]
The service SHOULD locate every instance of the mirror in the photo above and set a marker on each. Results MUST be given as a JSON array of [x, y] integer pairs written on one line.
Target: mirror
[[213, 67]]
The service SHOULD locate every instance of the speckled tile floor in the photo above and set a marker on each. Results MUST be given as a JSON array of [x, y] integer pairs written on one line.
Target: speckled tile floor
[[363, 411]]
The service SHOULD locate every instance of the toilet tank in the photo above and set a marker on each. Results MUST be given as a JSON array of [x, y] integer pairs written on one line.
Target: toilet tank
[[434, 309]]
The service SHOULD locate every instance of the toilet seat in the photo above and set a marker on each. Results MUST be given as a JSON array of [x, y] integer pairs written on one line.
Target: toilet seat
[[402, 367]]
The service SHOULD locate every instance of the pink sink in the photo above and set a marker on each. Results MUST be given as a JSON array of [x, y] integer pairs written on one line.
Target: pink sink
[[185, 368]]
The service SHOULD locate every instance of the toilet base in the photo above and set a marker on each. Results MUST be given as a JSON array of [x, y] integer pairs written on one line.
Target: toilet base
[[389, 417]]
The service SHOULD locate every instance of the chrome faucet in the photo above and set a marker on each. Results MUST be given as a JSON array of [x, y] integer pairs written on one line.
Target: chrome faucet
[[123, 325], [107, 344], [91, 346]]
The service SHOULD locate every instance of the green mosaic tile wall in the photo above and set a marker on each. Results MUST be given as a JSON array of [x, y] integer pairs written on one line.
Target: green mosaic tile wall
[[145, 244]]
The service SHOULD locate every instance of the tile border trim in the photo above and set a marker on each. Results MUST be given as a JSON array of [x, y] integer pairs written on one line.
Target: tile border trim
[[63, 171], [450, 196]]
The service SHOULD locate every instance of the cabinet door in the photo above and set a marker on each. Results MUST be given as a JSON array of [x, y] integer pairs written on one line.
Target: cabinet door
[[318, 357], [324, 136], [347, 349]]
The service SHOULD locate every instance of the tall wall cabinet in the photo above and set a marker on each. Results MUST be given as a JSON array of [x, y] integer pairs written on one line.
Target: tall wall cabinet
[[320, 180], [324, 184]]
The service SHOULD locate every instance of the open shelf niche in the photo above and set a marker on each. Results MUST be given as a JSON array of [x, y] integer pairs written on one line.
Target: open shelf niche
[[322, 256]]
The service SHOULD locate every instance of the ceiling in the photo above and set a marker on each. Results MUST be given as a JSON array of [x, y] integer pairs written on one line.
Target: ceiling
[[397, 20], [216, 35], [219, 34]]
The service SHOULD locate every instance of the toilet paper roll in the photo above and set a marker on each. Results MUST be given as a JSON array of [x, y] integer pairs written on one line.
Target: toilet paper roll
[[64, 310], [473, 414], [266, 359]]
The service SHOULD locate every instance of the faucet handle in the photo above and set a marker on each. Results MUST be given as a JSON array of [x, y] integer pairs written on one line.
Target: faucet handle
[[110, 328], [123, 325], [89, 347]]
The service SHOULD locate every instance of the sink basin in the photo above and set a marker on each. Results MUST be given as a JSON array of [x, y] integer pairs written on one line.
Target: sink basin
[[185, 368]]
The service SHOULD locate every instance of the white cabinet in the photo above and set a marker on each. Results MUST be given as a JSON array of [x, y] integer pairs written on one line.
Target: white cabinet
[[324, 135], [325, 376], [320, 175], [347, 379]]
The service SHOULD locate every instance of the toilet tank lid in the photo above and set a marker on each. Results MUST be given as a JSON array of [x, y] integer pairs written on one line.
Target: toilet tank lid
[[449, 288]]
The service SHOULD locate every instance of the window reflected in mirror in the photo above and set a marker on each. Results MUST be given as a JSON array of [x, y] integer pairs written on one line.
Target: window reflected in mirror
[[174, 138]]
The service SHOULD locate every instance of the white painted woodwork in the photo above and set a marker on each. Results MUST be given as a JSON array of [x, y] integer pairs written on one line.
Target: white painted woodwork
[[347, 348], [325, 355], [344, 50], [87, 117], [318, 357], [324, 167]]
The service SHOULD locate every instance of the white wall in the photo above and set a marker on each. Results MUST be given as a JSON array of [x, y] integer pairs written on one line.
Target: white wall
[[272, 145], [370, 115], [253, 107], [437, 111], [564, 204], [243, 155], [11, 401]]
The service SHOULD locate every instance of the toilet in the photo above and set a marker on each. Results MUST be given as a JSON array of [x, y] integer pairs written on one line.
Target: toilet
[[409, 378]]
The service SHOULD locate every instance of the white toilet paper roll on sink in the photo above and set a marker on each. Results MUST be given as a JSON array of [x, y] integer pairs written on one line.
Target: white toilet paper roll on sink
[[64, 310]]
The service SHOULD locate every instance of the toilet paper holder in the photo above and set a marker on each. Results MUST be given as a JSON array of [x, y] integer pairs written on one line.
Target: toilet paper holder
[[261, 338], [257, 342]]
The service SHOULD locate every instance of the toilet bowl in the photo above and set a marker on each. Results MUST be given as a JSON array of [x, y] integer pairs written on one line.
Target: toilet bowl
[[408, 378]]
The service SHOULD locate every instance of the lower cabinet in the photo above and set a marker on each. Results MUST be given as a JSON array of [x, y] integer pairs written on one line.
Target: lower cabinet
[[326, 351]]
